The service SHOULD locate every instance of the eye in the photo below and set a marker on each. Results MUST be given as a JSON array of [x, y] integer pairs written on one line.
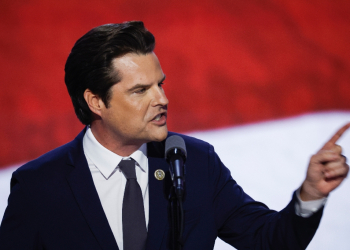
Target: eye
[[140, 91], [160, 85]]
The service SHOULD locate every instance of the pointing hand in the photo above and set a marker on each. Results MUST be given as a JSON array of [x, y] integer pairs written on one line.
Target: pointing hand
[[327, 169]]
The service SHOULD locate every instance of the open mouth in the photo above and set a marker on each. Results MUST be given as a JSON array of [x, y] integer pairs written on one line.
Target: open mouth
[[160, 117], [157, 118]]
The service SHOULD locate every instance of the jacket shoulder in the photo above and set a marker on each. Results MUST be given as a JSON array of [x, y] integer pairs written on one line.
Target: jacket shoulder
[[193, 143], [45, 161], [54, 158]]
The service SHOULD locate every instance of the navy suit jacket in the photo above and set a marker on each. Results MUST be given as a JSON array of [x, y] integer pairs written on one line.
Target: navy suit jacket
[[54, 205]]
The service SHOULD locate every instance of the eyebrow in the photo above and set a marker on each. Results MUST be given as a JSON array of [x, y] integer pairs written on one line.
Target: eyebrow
[[139, 85]]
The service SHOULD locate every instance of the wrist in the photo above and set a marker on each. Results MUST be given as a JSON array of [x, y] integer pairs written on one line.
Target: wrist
[[310, 193]]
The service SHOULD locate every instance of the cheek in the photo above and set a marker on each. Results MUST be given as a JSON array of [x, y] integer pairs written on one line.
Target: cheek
[[141, 110], [138, 105], [133, 112]]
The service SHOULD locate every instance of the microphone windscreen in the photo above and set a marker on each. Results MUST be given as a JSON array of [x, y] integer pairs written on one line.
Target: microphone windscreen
[[175, 141]]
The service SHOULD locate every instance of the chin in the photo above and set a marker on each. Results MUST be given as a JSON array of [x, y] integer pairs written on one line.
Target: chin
[[161, 135]]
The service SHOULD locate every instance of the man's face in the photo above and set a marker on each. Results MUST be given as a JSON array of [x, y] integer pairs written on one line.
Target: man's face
[[137, 110]]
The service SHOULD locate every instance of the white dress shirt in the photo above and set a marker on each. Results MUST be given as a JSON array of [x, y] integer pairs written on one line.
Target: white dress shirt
[[110, 181]]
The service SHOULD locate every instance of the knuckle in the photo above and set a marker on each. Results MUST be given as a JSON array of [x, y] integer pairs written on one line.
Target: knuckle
[[338, 148]]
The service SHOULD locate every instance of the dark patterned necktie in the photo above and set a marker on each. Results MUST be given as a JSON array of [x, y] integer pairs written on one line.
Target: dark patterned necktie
[[134, 223]]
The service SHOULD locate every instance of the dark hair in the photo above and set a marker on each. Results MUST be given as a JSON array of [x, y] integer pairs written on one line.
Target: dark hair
[[89, 65]]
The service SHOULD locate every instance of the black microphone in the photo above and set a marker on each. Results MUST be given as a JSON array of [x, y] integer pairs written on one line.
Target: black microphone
[[175, 154]]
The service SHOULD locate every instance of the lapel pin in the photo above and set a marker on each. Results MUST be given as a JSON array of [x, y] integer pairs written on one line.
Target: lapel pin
[[159, 174]]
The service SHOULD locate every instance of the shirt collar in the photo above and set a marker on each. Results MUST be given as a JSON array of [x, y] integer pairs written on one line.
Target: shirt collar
[[105, 160]]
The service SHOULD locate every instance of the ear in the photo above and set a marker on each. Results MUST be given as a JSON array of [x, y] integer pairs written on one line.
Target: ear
[[94, 102]]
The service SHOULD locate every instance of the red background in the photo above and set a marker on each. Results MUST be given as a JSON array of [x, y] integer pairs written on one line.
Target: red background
[[227, 62]]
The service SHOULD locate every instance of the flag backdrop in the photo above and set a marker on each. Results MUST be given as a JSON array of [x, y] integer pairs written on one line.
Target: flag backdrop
[[266, 82]]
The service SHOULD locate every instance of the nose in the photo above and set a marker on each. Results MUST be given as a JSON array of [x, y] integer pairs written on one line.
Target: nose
[[160, 97]]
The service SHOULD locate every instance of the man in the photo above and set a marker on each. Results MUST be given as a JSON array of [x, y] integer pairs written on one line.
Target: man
[[78, 196]]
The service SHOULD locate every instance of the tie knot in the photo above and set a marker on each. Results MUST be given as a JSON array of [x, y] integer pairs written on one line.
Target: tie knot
[[128, 168]]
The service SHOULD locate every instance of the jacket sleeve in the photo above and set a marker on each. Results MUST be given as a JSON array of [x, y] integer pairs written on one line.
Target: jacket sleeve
[[19, 228], [248, 224]]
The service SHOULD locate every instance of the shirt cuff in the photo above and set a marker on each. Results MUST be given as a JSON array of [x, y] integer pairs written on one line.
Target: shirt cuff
[[307, 208]]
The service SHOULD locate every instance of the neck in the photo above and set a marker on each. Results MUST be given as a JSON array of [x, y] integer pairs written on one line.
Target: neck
[[113, 144]]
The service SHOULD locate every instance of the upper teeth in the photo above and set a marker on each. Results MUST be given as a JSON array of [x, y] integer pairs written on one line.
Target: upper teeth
[[157, 117]]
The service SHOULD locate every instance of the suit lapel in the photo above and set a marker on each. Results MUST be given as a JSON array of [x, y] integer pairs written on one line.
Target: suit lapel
[[158, 196], [83, 188]]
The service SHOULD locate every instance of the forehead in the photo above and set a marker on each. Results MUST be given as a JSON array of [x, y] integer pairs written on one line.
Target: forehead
[[138, 67]]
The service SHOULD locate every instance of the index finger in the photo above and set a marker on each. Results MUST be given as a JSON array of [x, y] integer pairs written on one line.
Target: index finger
[[336, 136]]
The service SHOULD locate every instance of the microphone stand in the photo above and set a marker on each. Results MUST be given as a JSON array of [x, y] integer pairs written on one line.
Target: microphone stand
[[175, 154], [173, 214], [177, 220]]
